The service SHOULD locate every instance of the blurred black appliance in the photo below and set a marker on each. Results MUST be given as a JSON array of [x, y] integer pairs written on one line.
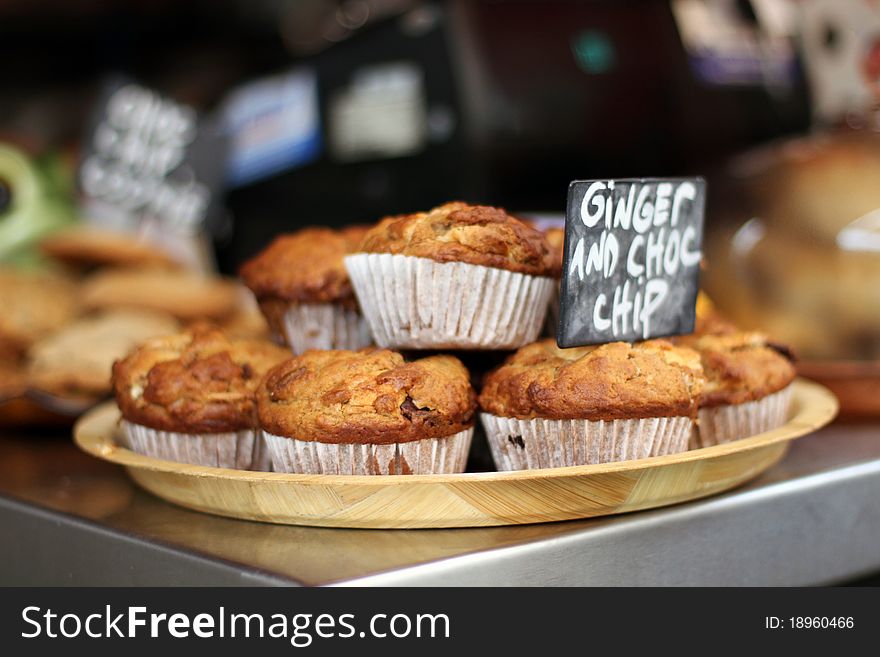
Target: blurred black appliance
[[503, 103]]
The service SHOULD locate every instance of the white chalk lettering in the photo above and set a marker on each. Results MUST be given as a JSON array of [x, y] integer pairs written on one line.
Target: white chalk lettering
[[591, 218]]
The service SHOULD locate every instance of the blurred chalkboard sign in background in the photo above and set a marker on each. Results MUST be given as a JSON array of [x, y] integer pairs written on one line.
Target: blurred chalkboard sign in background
[[413, 102]]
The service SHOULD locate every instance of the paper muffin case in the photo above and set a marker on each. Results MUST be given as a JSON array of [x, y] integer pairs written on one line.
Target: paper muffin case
[[722, 424], [445, 455], [241, 450], [539, 443], [416, 303], [324, 326]]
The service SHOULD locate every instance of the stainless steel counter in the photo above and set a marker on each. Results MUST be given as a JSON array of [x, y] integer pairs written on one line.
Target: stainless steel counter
[[812, 519]]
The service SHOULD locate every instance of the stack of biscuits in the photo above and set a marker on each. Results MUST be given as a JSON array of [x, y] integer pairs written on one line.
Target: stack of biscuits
[[100, 295]]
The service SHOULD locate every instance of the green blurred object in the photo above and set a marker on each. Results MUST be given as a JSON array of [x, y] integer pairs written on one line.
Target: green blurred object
[[34, 200]]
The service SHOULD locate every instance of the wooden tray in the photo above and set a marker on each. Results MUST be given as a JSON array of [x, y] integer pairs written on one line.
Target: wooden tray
[[459, 500]]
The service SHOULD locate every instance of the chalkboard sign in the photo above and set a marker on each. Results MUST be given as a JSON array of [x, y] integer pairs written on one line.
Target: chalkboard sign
[[632, 259], [150, 158]]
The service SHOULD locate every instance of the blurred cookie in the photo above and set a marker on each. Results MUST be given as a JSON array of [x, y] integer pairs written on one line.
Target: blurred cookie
[[13, 379], [33, 305], [186, 295], [87, 247], [77, 360], [247, 322]]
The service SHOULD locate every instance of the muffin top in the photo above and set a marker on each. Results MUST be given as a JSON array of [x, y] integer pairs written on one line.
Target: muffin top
[[740, 367], [606, 382], [368, 396], [556, 239], [305, 266], [198, 381], [709, 319], [458, 232]]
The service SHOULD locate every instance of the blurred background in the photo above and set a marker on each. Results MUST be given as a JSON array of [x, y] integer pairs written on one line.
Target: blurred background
[[345, 111], [210, 127]]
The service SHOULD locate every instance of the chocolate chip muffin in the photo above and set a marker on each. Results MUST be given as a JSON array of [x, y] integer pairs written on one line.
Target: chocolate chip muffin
[[748, 385], [459, 276], [550, 407], [303, 289], [189, 397], [367, 412]]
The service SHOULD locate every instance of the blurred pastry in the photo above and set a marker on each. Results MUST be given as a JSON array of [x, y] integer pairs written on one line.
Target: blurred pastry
[[76, 360], [185, 295], [33, 305], [85, 246], [13, 379], [795, 245]]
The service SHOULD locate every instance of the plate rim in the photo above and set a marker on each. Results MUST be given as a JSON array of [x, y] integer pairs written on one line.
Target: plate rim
[[815, 407]]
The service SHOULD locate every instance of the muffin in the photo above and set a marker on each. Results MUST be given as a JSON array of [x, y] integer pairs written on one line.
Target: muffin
[[556, 239], [303, 289], [548, 407], [748, 386], [189, 397], [459, 276], [186, 295], [75, 362], [367, 412]]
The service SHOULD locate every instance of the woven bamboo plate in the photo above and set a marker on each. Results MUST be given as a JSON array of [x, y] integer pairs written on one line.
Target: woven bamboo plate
[[459, 500]]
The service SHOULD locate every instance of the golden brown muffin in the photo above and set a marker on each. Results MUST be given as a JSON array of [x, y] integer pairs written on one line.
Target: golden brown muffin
[[369, 396], [304, 267], [186, 295], [33, 305], [709, 320], [607, 382], [740, 367], [87, 246], [198, 381], [76, 361], [458, 232], [556, 239]]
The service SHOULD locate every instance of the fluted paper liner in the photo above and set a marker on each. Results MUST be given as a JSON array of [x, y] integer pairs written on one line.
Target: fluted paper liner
[[324, 326], [722, 424], [541, 443], [417, 303], [241, 450], [445, 455]]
